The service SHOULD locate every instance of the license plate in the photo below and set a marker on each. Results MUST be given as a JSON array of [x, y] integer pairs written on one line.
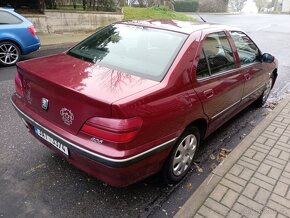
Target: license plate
[[51, 140]]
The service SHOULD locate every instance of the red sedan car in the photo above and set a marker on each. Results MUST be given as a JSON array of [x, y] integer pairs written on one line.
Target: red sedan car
[[139, 96]]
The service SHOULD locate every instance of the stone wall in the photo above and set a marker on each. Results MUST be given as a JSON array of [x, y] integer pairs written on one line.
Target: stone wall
[[55, 21]]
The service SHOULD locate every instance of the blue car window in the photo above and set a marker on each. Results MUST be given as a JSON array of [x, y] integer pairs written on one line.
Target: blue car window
[[7, 18]]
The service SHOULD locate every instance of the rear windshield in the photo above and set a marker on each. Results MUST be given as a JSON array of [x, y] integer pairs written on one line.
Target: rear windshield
[[141, 51]]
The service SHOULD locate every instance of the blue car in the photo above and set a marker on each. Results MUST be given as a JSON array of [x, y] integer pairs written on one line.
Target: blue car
[[17, 37]]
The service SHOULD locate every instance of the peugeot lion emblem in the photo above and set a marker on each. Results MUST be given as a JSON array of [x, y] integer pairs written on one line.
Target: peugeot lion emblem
[[44, 104]]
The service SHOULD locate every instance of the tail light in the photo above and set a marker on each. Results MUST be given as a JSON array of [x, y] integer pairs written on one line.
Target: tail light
[[18, 84], [32, 30], [114, 130]]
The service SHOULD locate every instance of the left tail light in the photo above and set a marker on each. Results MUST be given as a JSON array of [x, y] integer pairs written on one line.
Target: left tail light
[[113, 130], [32, 30], [18, 84]]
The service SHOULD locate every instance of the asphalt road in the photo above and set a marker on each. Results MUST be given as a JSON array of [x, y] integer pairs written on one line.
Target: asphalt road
[[36, 183]]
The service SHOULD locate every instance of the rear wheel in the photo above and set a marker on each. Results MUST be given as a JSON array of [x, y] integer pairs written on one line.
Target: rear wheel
[[9, 53], [263, 98], [181, 158]]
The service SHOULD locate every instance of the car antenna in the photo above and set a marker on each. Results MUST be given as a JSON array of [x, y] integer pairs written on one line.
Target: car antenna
[[200, 17]]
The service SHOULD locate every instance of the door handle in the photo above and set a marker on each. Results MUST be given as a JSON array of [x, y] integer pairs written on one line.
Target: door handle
[[247, 76], [208, 93]]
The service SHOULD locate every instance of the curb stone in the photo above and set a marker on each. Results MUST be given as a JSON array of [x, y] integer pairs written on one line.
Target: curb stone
[[56, 46], [197, 199]]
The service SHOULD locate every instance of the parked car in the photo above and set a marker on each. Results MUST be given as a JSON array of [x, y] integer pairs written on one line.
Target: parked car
[[138, 97], [17, 37]]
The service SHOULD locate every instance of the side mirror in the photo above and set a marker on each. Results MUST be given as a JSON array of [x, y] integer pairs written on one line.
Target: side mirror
[[268, 58]]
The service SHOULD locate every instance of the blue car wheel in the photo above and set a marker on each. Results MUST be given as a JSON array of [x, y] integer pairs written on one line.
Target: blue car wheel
[[9, 53]]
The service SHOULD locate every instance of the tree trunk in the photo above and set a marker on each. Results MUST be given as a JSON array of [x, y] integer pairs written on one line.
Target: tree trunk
[[85, 4], [74, 4]]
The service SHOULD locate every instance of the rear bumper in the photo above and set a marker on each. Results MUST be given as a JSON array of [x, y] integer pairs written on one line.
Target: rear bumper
[[31, 48], [114, 171]]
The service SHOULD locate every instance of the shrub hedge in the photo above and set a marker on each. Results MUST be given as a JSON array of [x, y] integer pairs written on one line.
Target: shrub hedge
[[186, 6]]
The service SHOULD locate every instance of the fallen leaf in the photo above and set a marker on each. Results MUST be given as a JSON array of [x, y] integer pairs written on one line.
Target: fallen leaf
[[227, 151], [198, 168], [188, 186], [213, 166]]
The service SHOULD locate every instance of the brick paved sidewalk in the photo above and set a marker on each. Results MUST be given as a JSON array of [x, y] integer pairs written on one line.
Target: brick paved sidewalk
[[254, 181]]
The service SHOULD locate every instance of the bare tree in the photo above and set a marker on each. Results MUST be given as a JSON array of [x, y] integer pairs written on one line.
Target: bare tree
[[74, 4], [213, 5], [142, 3], [261, 4], [238, 5], [85, 4]]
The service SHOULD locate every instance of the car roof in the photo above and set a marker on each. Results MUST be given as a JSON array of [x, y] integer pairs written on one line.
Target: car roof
[[6, 9], [186, 27]]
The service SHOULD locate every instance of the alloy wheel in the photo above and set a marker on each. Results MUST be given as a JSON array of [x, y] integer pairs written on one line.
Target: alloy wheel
[[268, 89], [184, 154], [9, 53]]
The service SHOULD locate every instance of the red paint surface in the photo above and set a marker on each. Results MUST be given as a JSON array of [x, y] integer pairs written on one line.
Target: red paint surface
[[166, 108]]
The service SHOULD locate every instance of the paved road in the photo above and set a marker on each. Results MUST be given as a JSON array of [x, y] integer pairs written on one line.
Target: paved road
[[35, 182]]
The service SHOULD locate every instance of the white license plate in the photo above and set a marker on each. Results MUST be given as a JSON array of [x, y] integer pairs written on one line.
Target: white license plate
[[51, 140]]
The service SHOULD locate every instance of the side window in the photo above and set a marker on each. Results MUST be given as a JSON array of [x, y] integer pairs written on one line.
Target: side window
[[247, 50], [7, 18], [217, 54], [202, 70]]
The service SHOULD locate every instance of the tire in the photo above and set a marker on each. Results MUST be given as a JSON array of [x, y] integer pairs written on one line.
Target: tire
[[180, 160], [263, 98], [9, 53]]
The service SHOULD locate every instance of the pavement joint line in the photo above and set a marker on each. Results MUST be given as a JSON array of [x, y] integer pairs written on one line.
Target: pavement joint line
[[212, 175], [214, 171], [191, 207]]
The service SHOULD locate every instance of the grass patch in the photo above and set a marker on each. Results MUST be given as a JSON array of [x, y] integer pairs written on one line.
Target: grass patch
[[131, 13]]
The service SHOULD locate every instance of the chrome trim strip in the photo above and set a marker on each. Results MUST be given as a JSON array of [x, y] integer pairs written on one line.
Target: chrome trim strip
[[226, 109], [98, 157], [225, 72], [244, 66], [243, 98], [222, 73]]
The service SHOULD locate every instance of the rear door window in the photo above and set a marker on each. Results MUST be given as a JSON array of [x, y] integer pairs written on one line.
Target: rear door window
[[202, 70], [7, 18], [217, 54], [247, 50]]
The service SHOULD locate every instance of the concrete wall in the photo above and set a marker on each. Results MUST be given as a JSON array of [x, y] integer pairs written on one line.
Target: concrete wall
[[55, 21]]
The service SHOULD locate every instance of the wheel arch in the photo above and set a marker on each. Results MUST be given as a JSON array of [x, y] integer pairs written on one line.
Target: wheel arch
[[14, 42], [275, 74], [201, 124]]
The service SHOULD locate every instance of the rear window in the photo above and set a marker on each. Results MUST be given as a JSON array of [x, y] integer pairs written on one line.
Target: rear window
[[7, 18], [141, 51]]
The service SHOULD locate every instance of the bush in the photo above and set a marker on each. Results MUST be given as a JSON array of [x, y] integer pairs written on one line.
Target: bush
[[213, 6], [106, 5], [186, 6]]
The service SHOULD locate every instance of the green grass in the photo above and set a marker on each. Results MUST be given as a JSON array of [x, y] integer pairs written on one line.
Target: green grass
[[131, 13]]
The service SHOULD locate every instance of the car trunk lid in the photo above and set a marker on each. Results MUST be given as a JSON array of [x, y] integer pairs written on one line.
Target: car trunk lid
[[68, 91]]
